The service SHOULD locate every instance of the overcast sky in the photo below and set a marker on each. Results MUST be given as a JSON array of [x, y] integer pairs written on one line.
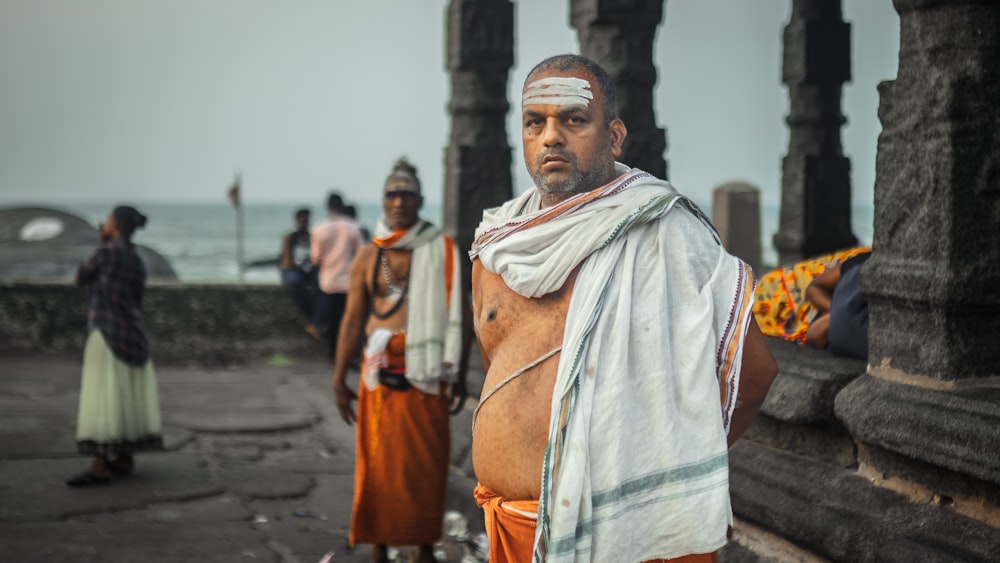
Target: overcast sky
[[149, 101]]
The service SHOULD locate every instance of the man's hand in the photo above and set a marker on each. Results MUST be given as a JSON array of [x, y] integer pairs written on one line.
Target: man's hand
[[457, 395], [344, 398]]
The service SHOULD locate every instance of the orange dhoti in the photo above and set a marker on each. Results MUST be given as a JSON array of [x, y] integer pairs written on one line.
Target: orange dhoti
[[401, 466], [510, 526]]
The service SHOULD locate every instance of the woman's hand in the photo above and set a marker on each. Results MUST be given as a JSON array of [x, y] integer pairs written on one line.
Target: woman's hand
[[104, 232]]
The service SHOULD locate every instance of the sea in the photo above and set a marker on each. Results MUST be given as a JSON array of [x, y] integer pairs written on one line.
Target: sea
[[200, 239]]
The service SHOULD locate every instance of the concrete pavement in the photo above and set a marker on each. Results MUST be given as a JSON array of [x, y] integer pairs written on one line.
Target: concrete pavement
[[258, 467]]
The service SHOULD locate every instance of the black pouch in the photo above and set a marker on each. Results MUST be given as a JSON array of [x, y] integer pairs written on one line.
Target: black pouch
[[392, 380]]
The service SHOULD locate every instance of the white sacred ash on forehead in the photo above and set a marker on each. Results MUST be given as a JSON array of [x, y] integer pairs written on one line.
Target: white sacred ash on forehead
[[559, 91], [394, 185]]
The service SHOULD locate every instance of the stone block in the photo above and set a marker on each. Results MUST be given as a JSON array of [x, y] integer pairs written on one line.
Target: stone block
[[736, 215], [808, 381], [839, 515], [954, 430]]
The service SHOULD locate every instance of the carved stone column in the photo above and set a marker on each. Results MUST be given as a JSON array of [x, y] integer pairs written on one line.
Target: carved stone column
[[619, 36], [736, 215], [480, 52], [933, 282], [815, 183]]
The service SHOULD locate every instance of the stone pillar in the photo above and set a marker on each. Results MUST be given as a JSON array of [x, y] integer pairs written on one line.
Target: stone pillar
[[736, 215], [480, 52], [815, 183], [619, 36], [933, 282]]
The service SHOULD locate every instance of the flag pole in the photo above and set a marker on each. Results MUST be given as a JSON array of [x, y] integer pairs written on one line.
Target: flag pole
[[237, 201]]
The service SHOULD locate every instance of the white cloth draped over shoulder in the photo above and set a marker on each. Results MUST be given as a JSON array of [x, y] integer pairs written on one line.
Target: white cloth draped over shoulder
[[636, 466], [434, 318]]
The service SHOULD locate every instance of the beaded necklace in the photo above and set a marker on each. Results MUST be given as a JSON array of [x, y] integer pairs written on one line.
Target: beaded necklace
[[394, 290]]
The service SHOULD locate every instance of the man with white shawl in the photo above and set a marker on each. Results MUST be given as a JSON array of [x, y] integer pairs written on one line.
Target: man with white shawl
[[621, 353], [407, 303]]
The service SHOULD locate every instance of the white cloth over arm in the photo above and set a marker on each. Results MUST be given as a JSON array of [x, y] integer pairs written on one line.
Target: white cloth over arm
[[637, 456]]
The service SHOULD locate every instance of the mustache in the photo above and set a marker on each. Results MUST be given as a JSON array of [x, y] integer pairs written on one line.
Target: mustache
[[567, 156]]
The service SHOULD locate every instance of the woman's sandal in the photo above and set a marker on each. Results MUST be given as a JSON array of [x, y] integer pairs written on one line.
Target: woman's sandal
[[87, 479], [120, 469]]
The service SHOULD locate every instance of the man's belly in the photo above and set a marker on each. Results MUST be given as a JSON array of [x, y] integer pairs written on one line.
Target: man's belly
[[511, 430]]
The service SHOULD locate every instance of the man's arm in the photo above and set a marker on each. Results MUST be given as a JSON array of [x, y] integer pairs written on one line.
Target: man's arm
[[459, 390], [315, 244], [756, 374], [820, 290], [477, 303], [352, 330], [286, 252]]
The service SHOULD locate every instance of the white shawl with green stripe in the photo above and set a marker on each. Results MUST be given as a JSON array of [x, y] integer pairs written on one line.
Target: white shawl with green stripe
[[636, 466]]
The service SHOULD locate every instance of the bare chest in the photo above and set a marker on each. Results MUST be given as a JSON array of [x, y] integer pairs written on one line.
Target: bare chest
[[388, 280], [517, 334]]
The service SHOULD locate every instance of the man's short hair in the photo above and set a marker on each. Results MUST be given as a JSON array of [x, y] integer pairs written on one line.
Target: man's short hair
[[569, 62], [335, 202], [302, 211]]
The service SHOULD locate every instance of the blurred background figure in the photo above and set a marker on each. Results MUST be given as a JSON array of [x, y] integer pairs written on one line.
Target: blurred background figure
[[298, 273], [334, 245], [416, 350], [841, 323], [119, 411], [352, 212], [781, 307]]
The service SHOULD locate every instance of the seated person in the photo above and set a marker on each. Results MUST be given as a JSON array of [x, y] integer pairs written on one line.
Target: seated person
[[841, 324], [299, 274], [780, 305]]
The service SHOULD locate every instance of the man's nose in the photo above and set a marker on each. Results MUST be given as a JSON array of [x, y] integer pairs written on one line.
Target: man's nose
[[552, 135]]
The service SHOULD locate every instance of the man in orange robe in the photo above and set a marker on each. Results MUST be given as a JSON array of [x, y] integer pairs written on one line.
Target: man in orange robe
[[407, 304]]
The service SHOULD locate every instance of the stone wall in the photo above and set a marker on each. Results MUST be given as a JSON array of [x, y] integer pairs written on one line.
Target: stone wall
[[845, 467], [187, 323]]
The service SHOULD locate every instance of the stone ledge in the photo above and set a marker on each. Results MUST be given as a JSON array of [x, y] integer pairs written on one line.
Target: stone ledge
[[841, 516], [824, 443], [952, 430], [213, 324], [807, 382]]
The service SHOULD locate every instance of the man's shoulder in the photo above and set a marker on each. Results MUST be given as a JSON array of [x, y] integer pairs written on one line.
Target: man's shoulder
[[367, 251], [340, 222], [322, 227], [685, 213]]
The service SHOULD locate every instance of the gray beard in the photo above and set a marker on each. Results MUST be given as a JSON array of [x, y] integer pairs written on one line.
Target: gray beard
[[577, 182]]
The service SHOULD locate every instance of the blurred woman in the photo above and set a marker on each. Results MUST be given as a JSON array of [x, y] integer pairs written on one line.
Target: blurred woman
[[119, 411], [781, 306]]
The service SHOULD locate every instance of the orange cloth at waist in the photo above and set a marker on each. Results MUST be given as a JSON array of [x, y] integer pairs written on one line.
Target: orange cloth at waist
[[401, 466], [510, 526], [395, 352]]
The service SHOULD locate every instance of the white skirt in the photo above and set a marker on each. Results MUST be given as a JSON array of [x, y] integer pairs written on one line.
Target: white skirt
[[119, 404]]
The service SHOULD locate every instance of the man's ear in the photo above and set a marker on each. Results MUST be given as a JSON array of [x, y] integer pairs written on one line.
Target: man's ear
[[618, 134]]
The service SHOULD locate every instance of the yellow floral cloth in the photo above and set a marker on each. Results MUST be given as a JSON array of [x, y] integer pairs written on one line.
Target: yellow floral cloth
[[780, 305]]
